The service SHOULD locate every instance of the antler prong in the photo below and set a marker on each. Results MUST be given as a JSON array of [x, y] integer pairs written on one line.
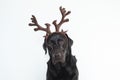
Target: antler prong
[[63, 20], [63, 31], [35, 23]]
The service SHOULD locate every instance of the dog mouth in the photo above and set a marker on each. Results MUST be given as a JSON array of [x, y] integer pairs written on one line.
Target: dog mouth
[[58, 59]]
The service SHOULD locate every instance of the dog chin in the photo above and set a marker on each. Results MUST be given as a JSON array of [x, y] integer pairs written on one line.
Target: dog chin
[[58, 62]]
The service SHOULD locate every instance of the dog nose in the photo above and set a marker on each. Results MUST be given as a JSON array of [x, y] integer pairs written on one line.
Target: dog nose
[[57, 55]]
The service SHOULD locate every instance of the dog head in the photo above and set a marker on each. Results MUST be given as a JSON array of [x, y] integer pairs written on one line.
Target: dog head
[[58, 46]]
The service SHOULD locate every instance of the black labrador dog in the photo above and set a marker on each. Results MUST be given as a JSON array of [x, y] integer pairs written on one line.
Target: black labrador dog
[[62, 64]]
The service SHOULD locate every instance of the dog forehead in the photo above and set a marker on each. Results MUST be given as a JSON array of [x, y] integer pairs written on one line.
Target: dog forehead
[[56, 36]]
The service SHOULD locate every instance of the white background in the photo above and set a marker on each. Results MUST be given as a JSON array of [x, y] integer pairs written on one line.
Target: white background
[[94, 26]]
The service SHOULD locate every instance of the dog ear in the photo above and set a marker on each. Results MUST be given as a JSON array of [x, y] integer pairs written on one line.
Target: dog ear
[[70, 41], [45, 46], [73, 60]]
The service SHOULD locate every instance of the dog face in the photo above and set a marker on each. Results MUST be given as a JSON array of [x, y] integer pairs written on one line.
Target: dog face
[[58, 46]]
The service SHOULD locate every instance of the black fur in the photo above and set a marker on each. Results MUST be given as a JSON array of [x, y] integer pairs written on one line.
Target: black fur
[[62, 64]]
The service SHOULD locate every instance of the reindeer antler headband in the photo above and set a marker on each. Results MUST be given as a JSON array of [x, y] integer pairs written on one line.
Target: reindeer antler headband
[[57, 26]]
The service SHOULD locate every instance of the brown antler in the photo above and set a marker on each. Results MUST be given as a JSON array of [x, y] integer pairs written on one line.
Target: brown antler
[[35, 23], [63, 20]]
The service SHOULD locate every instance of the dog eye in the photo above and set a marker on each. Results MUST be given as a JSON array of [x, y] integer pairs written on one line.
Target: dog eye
[[50, 47], [61, 41], [50, 44]]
